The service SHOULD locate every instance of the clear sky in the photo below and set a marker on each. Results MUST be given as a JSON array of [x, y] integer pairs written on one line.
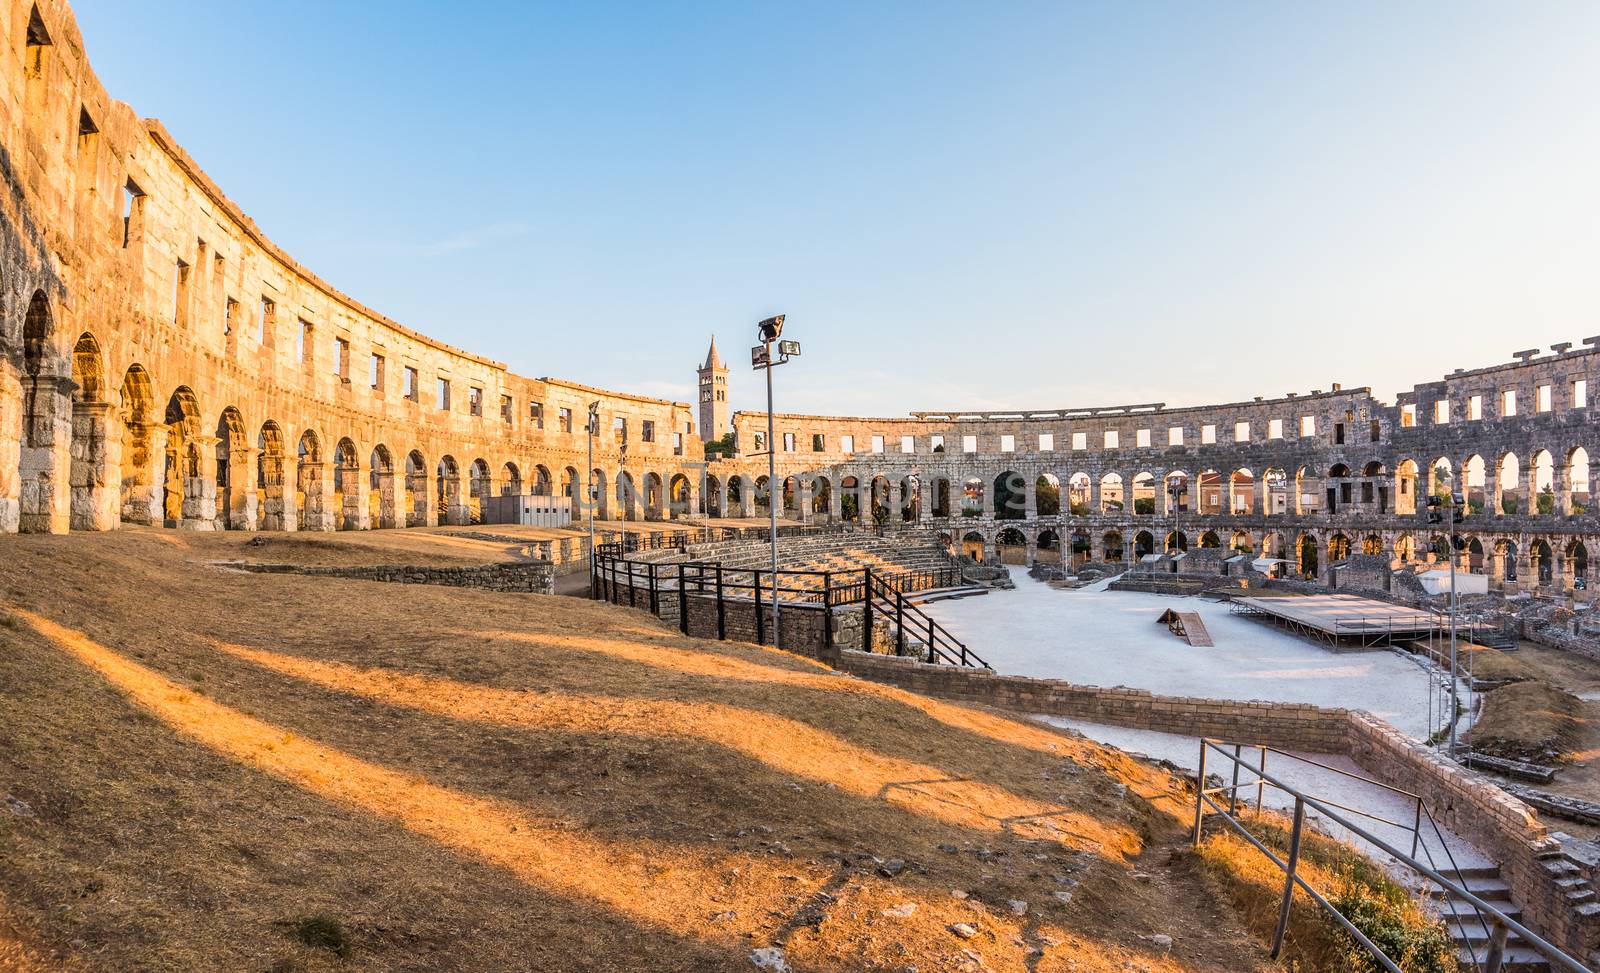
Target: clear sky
[[959, 205]]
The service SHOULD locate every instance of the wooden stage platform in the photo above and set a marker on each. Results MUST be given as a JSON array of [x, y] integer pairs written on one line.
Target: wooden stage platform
[[1338, 619]]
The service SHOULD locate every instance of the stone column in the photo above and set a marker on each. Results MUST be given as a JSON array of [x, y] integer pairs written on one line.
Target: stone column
[[44, 472], [241, 504], [836, 501], [11, 422], [315, 480], [356, 514], [802, 498], [96, 475], [199, 511], [1030, 490], [143, 474], [1560, 484]]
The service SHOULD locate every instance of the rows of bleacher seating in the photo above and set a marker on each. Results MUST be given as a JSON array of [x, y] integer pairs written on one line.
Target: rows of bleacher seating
[[842, 553]]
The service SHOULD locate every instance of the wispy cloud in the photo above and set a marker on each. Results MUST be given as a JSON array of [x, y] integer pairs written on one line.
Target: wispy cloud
[[475, 238]]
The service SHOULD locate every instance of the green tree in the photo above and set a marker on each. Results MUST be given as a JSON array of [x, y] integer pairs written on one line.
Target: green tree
[[1547, 501], [721, 447]]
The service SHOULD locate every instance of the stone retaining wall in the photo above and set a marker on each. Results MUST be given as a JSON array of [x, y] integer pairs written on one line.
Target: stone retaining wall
[[1497, 823], [530, 577]]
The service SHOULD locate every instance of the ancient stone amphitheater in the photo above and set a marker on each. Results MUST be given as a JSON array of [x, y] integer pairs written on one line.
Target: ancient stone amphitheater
[[166, 363]]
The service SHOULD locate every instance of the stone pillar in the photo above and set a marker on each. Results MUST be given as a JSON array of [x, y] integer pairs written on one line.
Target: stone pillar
[[925, 490], [277, 496], [314, 480], [355, 512], [836, 502], [240, 503], [1030, 493], [1560, 484], [96, 475], [44, 472], [802, 498], [11, 430], [143, 472], [199, 511]]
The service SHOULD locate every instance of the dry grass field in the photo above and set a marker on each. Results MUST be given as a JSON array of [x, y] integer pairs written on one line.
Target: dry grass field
[[204, 769]]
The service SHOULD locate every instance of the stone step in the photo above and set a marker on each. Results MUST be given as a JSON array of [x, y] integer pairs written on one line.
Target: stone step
[[1518, 960]]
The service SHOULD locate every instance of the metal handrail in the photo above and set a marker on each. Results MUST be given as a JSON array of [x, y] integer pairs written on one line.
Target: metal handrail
[[1503, 924]]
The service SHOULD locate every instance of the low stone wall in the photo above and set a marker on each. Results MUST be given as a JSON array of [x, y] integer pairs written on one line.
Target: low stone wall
[[1462, 801], [530, 577], [1292, 726]]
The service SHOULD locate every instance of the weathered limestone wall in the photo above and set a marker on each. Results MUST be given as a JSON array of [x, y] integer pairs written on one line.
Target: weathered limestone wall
[[525, 577], [166, 363]]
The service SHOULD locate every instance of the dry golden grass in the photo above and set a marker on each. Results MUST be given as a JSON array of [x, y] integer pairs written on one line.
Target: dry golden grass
[[474, 781]]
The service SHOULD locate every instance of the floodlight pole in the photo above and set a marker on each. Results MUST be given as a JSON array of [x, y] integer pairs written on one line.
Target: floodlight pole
[[589, 496], [774, 497], [1454, 719]]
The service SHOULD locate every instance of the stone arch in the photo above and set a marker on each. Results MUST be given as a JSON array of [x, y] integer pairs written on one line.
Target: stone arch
[[1405, 547], [418, 506], [1111, 547], [1338, 548], [1241, 492], [143, 443], [1079, 493], [1241, 543], [1542, 561], [1210, 500], [1275, 490], [1441, 478], [1542, 484], [1308, 493], [1474, 483], [1010, 497], [1079, 545], [910, 498], [381, 512], [1047, 495], [311, 484], [1174, 493], [1273, 545], [1011, 545], [1508, 477], [1576, 490], [973, 544], [349, 505], [1505, 551], [1144, 544], [762, 495], [1372, 545], [1405, 487], [447, 491], [1176, 541], [680, 496], [972, 497], [43, 454], [570, 487], [822, 497], [189, 497], [480, 484], [627, 495], [542, 480], [237, 500], [599, 497], [655, 496], [1306, 556], [737, 497], [94, 478], [939, 495], [1144, 494], [1210, 539], [510, 479], [270, 467], [1047, 546], [881, 503], [1577, 561], [1111, 496], [711, 496]]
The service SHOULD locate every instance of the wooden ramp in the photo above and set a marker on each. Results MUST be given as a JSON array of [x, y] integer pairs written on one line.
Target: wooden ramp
[[1188, 626]]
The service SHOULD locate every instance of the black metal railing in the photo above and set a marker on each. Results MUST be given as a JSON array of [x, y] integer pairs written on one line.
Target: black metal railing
[[1496, 924], [650, 585]]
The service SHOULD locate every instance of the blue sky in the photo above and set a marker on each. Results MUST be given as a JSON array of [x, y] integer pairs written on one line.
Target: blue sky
[[959, 205]]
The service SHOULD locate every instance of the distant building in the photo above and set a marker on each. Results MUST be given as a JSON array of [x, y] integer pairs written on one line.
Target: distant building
[[714, 415]]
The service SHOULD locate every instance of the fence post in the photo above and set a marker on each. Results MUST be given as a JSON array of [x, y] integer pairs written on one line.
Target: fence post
[[1289, 876], [827, 609], [1233, 792], [1495, 961], [761, 627], [1416, 829], [866, 609], [1261, 781], [655, 594], [899, 624], [683, 601], [933, 656], [722, 617], [1200, 793]]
